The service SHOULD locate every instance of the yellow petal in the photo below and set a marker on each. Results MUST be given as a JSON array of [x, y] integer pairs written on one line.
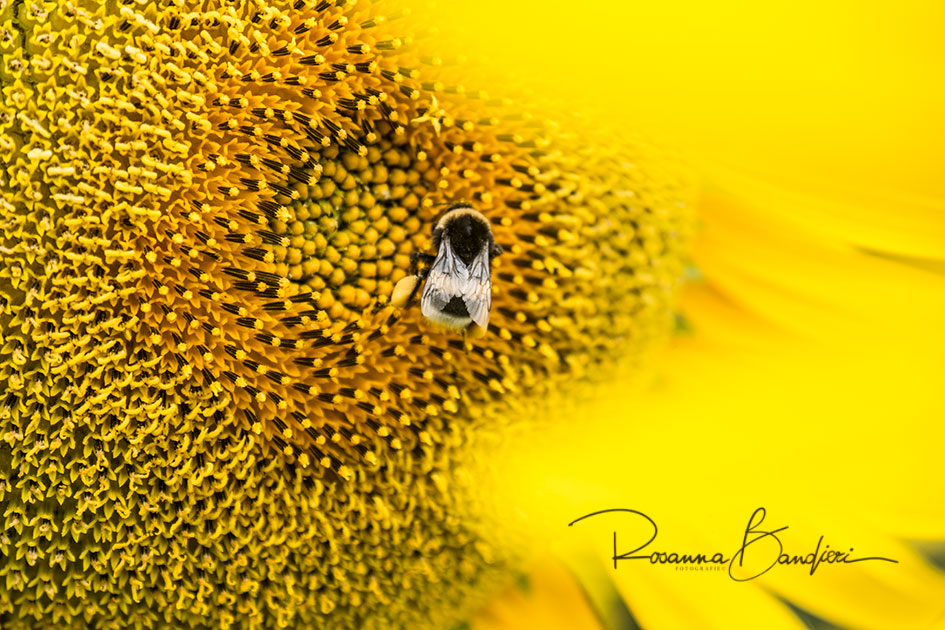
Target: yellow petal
[[549, 598]]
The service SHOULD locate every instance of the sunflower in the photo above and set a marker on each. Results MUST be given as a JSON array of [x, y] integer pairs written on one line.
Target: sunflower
[[213, 416], [212, 413]]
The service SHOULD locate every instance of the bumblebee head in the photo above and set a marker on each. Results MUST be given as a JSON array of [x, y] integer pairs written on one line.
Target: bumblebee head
[[465, 228]]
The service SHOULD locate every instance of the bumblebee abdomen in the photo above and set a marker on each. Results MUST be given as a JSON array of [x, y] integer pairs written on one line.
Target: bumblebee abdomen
[[456, 307]]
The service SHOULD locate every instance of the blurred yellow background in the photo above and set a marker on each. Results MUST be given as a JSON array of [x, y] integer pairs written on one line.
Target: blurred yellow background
[[842, 93]]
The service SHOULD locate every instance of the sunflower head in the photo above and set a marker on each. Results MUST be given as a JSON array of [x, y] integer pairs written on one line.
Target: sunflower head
[[211, 415]]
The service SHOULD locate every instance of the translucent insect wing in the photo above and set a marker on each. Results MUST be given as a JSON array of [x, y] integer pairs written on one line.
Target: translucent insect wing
[[477, 290], [447, 275]]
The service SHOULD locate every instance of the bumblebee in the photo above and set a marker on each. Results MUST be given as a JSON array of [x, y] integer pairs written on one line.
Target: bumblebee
[[457, 289]]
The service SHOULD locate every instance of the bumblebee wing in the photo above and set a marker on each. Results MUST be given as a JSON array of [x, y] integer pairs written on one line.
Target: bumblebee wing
[[450, 278], [477, 290], [448, 275]]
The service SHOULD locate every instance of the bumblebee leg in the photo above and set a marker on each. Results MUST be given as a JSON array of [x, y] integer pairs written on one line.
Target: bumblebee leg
[[407, 288], [421, 276], [419, 257], [496, 250], [405, 291]]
